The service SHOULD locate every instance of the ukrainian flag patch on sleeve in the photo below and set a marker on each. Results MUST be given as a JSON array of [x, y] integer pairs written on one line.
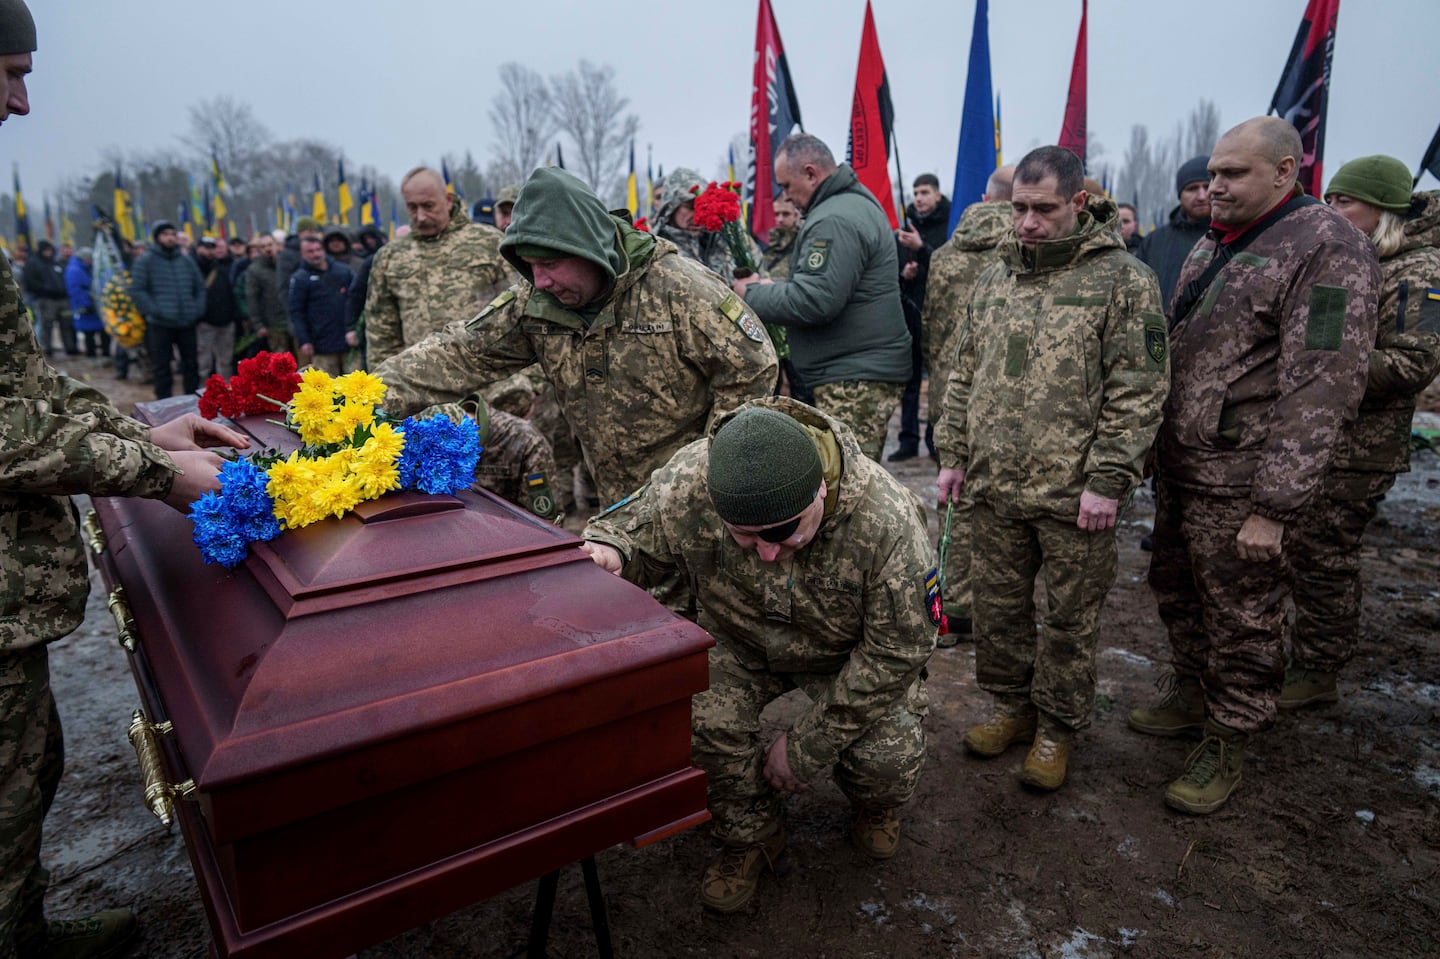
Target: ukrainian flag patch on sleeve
[[933, 604]]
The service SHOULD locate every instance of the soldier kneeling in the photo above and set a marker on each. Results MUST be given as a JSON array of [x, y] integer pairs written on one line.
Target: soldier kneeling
[[811, 567]]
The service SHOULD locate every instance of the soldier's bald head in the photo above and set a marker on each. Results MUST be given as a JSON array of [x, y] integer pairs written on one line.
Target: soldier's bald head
[[423, 176], [1273, 138], [1001, 184]]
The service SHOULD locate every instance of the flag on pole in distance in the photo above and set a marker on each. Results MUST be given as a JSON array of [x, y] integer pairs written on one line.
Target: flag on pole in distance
[[632, 186], [872, 120], [1072, 130], [975, 158], [22, 219], [317, 202], [49, 221], [1431, 162], [649, 182], [197, 210], [1303, 94], [344, 203], [367, 206], [999, 153], [774, 115], [123, 216]]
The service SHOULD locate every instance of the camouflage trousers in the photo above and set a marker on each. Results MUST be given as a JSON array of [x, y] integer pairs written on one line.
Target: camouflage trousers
[[32, 757], [1225, 615], [1323, 548], [281, 341], [517, 465], [1056, 671], [552, 423], [864, 406], [879, 770], [958, 595]]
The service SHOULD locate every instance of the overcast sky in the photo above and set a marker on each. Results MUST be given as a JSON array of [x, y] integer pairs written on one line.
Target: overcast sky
[[394, 84]]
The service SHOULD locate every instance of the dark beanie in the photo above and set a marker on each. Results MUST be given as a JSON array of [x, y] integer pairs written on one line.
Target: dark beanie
[[17, 28], [764, 468], [1378, 180], [1191, 171], [160, 225]]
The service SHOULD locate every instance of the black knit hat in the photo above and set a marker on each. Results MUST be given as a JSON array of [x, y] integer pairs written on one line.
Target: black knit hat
[[764, 468], [17, 28], [159, 225], [1192, 171]]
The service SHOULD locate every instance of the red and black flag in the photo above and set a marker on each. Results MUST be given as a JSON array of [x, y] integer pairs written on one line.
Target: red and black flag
[[1072, 129], [774, 115], [872, 121], [1304, 90]]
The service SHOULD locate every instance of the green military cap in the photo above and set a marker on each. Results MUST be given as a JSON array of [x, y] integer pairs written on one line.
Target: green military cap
[[508, 195], [764, 468], [1378, 180]]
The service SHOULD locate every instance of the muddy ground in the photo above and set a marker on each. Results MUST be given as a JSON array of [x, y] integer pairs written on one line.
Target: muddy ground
[[1331, 847]]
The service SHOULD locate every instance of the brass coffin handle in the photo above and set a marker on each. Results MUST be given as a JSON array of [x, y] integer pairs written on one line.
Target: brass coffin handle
[[124, 622], [160, 793], [94, 532]]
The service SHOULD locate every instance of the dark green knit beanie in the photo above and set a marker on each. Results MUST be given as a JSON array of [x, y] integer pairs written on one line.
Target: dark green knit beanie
[[764, 468], [17, 28], [1378, 180]]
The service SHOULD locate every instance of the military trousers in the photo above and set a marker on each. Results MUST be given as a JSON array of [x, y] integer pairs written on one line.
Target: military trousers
[[879, 770], [1324, 555], [865, 406], [215, 349], [1225, 615], [32, 757], [1056, 670]]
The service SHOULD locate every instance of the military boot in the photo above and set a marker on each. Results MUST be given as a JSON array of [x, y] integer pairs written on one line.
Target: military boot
[[731, 880], [1050, 753], [104, 935], [1212, 771], [1305, 687], [876, 832], [1181, 711], [1013, 721]]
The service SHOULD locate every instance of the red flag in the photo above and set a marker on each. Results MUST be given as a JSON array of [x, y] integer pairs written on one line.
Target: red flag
[[774, 115], [872, 119], [1072, 131], [1304, 90]]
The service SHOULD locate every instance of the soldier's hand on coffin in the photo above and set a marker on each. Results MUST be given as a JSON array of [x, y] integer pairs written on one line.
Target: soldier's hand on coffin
[[606, 557], [1096, 512], [1259, 539], [199, 473], [777, 769], [950, 482], [192, 432]]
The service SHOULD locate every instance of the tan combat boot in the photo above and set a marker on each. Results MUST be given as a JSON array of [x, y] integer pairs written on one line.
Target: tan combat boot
[[876, 832], [1046, 762], [1013, 721], [1212, 771], [1181, 711], [731, 880], [1306, 687]]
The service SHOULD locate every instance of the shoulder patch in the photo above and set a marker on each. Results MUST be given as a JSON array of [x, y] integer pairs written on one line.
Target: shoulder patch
[[1325, 327], [1156, 339], [737, 314], [934, 606], [817, 254], [1429, 321], [494, 305], [629, 499], [537, 491]]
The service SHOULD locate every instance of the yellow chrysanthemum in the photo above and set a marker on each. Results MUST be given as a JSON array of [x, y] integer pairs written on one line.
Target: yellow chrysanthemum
[[375, 477], [318, 380], [385, 442], [361, 387], [336, 497], [352, 415]]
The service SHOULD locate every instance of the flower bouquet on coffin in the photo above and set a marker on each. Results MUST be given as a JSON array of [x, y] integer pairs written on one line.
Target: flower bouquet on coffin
[[351, 451]]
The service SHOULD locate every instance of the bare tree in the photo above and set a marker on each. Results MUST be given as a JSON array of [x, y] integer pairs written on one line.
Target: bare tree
[[1202, 129], [1147, 176], [229, 128], [592, 112], [522, 116]]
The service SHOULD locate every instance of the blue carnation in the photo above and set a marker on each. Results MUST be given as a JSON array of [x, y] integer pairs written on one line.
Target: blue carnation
[[240, 514], [439, 456]]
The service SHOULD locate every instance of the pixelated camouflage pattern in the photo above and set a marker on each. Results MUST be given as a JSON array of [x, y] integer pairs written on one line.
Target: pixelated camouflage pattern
[[513, 454], [32, 758], [850, 607], [1060, 376], [1262, 384], [780, 244], [865, 407], [879, 770], [57, 437], [1323, 546], [646, 376], [1225, 615], [419, 284], [1056, 670], [954, 268], [1405, 358]]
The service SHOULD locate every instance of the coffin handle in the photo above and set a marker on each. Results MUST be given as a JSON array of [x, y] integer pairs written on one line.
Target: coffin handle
[[94, 532], [160, 793], [124, 622]]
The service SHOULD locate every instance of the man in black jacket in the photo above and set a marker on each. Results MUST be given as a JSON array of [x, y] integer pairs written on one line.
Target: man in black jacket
[[215, 333], [926, 228], [1164, 250], [44, 282], [317, 309], [170, 294]]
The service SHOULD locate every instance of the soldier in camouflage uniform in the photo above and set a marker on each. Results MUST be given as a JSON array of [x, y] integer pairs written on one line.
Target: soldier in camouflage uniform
[[675, 221], [1373, 193], [812, 570], [776, 265], [954, 268], [57, 437], [444, 270], [516, 462], [643, 347], [841, 303], [1274, 320], [1054, 400]]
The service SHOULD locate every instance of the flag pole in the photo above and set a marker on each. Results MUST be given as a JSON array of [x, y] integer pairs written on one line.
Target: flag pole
[[899, 176]]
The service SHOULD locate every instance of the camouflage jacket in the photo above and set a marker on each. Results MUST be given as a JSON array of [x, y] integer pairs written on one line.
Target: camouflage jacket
[[776, 262], [1270, 364], [671, 349], [1060, 373], [419, 284], [57, 437], [855, 604], [1406, 356]]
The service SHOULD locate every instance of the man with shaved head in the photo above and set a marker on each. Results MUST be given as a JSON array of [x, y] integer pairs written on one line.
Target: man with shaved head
[[1272, 321], [446, 269]]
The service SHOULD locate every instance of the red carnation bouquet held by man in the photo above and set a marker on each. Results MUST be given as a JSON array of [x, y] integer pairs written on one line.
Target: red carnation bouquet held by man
[[717, 210]]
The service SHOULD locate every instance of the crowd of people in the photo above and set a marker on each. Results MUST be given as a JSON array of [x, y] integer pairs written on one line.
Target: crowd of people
[[1256, 359]]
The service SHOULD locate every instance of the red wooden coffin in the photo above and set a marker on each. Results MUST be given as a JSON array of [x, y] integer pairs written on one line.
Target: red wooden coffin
[[394, 714]]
